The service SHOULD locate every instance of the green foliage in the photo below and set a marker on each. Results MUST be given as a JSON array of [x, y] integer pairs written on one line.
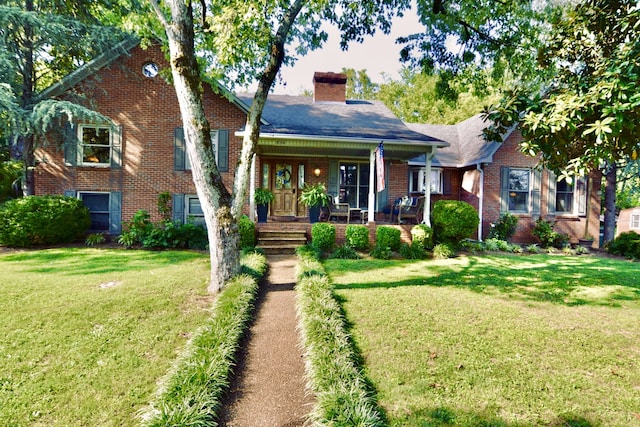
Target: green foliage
[[42, 220], [444, 251], [505, 227], [357, 236], [165, 234], [589, 114], [417, 99], [323, 236], [533, 249], [343, 394], [247, 229], [388, 237], [549, 238], [10, 173], [164, 205], [193, 390], [263, 196], [453, 221], [412, 251], [626, 244], [422, 236], [95, 239], [314, 195], [344, 252], [381, 252]]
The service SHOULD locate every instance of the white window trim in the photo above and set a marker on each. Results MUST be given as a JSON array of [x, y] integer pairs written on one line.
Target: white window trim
[[214, 144], [634, 221], [575, 211], [436, 181], [199, 218], [80, 150], [529, 202]]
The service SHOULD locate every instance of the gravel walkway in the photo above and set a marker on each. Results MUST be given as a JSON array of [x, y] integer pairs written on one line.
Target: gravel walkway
[[269, 390]]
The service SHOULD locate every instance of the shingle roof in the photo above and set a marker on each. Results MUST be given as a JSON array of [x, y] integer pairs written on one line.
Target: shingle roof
[[467, 146], [299, 115]]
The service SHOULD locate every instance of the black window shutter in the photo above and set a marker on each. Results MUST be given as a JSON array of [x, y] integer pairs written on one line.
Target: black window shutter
[[504, 189], [222, 159], [70, 144], [177, 203], [115, 213], [116, 146], [179, 150]]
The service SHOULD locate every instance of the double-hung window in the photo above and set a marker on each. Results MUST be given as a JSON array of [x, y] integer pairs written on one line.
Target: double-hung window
[[634, 221], [417, 181], [567, 196], [95, 145], [354, 184], [519, 190], [193, 210]]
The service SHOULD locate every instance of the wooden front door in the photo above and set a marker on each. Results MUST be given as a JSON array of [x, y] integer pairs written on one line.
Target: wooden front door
[[285, 185]]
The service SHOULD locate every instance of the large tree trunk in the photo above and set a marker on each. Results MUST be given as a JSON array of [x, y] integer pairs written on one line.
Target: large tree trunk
[[610, 203], [215, 199], [252, 128], [28, 85]]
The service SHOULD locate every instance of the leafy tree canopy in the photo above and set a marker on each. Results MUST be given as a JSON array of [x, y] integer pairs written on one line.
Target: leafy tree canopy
[[589, 114]]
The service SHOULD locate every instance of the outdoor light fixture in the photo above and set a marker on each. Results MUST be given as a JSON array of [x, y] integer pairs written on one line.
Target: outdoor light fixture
[[317, 171]]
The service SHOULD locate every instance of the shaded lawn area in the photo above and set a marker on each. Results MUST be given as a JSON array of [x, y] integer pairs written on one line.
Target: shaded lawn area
[[86, 333], [498, 340]]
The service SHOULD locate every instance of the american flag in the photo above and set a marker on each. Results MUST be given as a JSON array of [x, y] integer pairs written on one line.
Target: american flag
[[380, 167]]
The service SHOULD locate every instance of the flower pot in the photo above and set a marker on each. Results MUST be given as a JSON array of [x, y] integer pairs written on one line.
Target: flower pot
[[263, 211], [314, 213], [585, 243]]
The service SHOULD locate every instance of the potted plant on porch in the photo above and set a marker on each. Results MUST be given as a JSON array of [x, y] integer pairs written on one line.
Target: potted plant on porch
[[262, 197], [314, 197]]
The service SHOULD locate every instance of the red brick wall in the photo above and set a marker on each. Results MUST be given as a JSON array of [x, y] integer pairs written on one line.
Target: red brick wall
[[510, 155], [147, 109]]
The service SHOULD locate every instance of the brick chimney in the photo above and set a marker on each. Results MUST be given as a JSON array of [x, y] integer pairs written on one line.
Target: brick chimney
[[329, 87]]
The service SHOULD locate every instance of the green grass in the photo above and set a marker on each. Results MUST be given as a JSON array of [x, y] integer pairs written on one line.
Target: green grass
[[86, 333], [498, 340]]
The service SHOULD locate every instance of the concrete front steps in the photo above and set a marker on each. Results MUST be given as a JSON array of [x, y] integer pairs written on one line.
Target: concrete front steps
[[279, 242]]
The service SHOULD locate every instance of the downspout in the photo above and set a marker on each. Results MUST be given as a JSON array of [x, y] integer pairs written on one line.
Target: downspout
[[480, 200], [252, 190]]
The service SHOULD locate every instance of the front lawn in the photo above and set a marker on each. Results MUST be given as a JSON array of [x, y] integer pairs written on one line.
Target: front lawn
[[498, 340], [86, 333]]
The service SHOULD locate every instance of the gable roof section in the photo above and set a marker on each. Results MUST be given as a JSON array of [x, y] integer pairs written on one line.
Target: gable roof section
[[467, 146], [109, 57]]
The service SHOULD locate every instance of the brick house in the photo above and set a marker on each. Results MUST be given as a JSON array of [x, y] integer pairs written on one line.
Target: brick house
[[117, 170]]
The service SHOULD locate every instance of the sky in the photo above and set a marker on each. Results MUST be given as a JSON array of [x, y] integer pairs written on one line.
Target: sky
[[378, 54]]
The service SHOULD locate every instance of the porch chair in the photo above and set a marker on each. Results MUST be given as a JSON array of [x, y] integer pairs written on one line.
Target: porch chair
[[338, 210], [413, 212]]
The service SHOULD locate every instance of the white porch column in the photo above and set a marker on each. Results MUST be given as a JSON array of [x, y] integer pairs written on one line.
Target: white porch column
[[371, 203], [480, 200], [252, 190], [426, 213]]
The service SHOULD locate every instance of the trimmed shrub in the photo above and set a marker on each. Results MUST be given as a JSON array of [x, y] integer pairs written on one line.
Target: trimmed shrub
[[388, 237], [549, 238], [43, 220], [247, 229], [505, 227], [381, 252], [357, 236], [453, 221], [626, 244], [323, 236], [422, 236]]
